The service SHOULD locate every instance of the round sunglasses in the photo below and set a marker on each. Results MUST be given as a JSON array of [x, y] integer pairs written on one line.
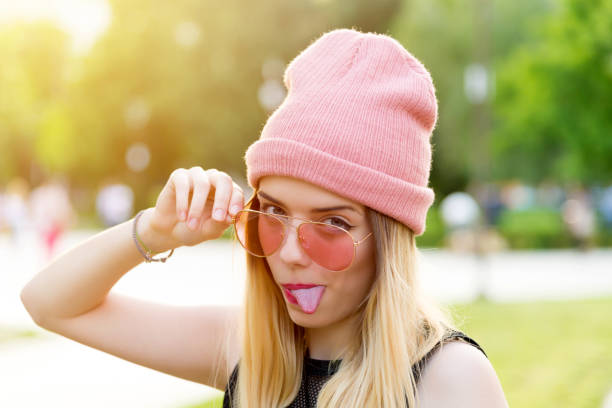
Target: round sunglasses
[[262, 234]]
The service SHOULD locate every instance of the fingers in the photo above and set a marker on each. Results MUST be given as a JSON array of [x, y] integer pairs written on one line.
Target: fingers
[[224, 187], [198, 183], [180, 181], [237, 200], [201, 189]]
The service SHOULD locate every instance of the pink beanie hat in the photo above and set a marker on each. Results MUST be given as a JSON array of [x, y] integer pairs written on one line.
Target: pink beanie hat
[[357, 120]]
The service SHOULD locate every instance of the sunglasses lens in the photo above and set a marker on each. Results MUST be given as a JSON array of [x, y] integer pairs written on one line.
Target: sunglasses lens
[[261, 235], [327, 245]]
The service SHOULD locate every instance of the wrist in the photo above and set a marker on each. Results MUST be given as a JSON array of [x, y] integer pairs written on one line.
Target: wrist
[[155, 240]]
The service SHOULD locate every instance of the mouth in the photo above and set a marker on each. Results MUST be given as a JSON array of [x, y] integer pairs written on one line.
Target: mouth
[[294, 286], [306, 296]]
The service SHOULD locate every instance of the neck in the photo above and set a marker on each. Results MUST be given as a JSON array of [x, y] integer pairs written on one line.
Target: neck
[[330, 342]]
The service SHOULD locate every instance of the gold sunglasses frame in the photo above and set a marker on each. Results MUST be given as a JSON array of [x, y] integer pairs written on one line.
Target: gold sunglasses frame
[[285, 220]]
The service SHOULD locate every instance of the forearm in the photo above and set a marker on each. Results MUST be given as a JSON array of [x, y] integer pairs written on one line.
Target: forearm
[[79, 279]]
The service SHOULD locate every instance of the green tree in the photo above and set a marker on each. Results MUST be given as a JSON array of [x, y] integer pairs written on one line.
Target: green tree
[[447, 36], [35, 58], [554, 105], [183, 77]]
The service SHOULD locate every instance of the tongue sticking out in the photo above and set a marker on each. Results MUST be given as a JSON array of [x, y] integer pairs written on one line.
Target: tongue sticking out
[[309, 299]]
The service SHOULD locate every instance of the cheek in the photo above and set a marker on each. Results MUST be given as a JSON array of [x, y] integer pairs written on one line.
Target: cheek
[[272, 265], [352, 285]]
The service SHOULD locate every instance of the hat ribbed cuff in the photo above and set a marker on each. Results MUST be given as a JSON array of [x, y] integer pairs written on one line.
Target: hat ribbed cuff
[[397, 198]]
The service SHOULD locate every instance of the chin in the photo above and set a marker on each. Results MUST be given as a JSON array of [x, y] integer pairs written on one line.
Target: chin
[[307, 320]]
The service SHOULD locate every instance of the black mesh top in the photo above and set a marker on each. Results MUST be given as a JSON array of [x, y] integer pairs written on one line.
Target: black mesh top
[[317, 372]]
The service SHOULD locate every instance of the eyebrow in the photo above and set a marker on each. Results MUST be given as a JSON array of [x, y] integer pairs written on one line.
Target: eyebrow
[[314, 210]]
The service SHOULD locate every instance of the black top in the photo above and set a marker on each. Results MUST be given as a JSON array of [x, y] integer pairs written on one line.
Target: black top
[[318, 372]]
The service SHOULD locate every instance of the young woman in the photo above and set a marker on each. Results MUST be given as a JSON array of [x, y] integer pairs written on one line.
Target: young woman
[[333, 315]]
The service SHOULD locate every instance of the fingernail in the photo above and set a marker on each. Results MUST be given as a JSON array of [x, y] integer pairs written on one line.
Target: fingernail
[[193, 223], [218, 215], [234, 210]]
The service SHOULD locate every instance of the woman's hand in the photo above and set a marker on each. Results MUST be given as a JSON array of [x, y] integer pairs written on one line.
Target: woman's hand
[[195, 205]]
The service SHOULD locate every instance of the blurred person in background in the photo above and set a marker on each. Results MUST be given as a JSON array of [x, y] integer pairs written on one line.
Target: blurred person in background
[[579, 216], [52, 213], [605, 206], [334, 315], [14, 209], [516, 195], [488, 196], [115, 203]]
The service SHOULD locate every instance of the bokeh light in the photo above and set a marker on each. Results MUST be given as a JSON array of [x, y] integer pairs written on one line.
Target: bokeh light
[[137, 157]]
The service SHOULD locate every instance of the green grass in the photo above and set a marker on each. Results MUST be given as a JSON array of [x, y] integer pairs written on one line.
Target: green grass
[[216, 402], [7, 334], [546, 354]]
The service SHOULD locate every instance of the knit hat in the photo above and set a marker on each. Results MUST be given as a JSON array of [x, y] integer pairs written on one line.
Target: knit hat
[[357, 121]]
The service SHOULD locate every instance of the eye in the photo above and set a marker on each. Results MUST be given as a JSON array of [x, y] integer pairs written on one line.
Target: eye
[[335, 221], [272, 209], [338, 222]]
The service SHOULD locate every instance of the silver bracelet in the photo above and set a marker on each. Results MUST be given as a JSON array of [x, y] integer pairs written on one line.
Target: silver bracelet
[[142, 248]]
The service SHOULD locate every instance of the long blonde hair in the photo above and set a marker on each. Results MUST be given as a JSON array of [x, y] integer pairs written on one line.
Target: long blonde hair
[[399, 325]]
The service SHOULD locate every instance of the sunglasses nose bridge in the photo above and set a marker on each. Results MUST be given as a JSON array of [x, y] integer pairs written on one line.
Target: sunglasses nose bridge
[[290, 226], [290, 247]]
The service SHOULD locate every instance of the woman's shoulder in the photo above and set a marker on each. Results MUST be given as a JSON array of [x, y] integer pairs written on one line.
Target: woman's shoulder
[[451, 335], [458, 336], [458, 373]]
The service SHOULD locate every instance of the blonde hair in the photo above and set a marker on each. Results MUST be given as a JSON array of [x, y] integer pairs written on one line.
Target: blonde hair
[[399, 325]]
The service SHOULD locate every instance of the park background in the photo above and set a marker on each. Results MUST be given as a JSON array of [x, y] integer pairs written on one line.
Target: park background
[[101, 100]]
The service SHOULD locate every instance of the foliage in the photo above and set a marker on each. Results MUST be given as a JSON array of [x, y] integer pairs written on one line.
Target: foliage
[[434, 230], [603, 233], [534, 228], [181, 77], [447, 36], [554, 101], [34, 59]]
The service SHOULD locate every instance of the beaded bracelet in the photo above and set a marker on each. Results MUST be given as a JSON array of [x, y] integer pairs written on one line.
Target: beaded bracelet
[[142, 248]]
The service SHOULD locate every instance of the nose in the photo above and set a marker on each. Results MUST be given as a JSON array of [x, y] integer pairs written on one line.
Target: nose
[[291, 252]]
